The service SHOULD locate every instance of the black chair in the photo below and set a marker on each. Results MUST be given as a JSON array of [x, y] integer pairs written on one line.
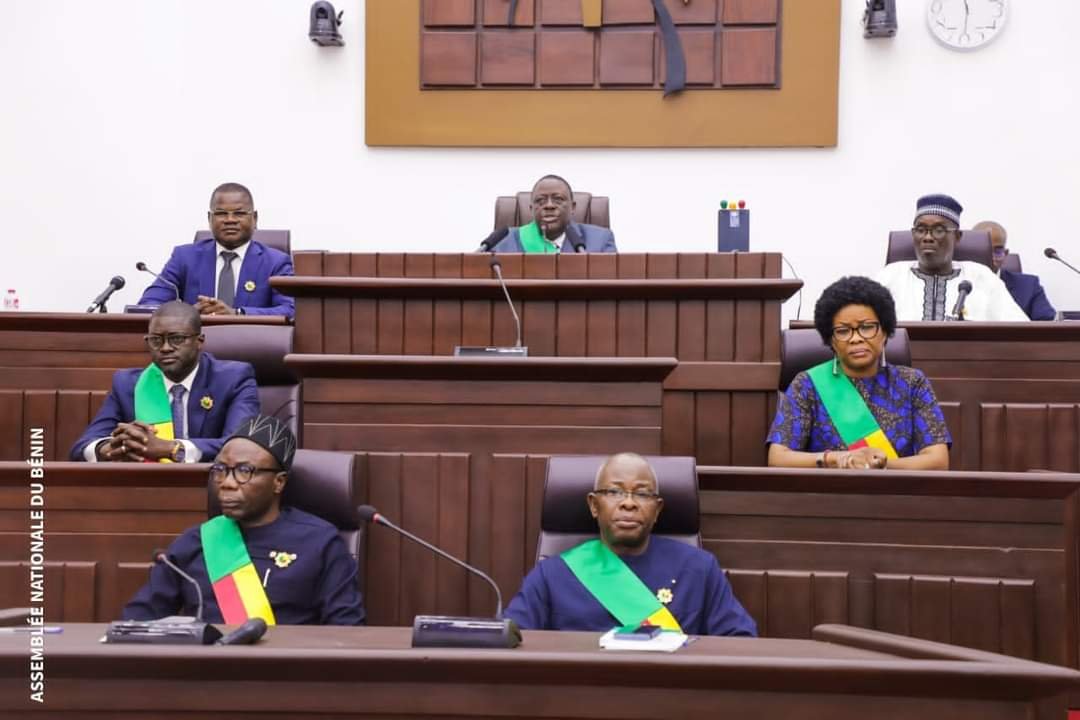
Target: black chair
[[513, 210], [265, 347], [802, 349], [277, 239], [565, 521], [1012, 263], [323, 483], [974, 246]]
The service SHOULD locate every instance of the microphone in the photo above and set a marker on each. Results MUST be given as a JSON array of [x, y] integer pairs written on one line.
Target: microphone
[[161, 557], [493, 239], [958, 309], [496, 266], [99, 302], [1052, 254], [141, 267], [442, 631], [575, 238], [247, 634], [176, 630]]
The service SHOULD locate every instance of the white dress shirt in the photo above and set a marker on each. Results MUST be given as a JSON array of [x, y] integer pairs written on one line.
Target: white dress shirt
[[236, 263]]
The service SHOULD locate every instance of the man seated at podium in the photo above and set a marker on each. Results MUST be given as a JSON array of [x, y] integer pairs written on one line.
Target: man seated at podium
[[856, 411], [929, 288], [626, 577], [1025, 289], [228, 274], [180, 407], [258, 558], [552, 229]]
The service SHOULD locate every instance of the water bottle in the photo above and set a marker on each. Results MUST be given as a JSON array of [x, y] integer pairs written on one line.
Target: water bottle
[[11, 300]]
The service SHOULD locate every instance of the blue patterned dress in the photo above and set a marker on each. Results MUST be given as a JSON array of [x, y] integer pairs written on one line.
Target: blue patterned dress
[[900, 399]]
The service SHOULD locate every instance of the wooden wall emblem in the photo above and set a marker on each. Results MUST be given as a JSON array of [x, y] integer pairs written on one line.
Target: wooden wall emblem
[[591, 72]]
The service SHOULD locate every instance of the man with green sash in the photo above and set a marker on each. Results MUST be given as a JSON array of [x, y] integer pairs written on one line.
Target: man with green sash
[[180, 407], [258, 558], [626, 577], [553, 229]]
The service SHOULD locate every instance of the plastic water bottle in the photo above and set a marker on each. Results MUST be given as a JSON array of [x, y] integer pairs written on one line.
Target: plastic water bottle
[[11, 300]]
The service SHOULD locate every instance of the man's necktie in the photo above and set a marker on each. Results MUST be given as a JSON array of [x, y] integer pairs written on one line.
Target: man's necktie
[[177, 406], [226, 284]]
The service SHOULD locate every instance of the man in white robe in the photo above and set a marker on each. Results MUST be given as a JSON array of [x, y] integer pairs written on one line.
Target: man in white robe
[[929, 288]]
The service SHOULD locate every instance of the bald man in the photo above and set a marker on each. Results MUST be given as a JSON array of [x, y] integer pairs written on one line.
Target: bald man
[[1026, 289], [626, 577]]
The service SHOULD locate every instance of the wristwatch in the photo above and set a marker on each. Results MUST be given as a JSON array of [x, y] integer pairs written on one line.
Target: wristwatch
[[821, 458], [179, 452]]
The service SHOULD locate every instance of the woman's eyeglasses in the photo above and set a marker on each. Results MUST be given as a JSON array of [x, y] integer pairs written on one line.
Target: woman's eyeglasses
[[866, 330]]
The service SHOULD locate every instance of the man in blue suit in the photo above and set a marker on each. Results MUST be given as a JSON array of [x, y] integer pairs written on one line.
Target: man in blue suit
[[230, 273], [206, 397], [1026, 289], [552, 230]]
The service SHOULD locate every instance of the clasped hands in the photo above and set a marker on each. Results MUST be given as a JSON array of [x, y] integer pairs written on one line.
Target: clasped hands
[[133, 442], [865, 458], [207, 305]]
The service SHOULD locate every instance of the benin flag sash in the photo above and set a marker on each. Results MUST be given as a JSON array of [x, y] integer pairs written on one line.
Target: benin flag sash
[[848, 411], [616, 587], [152, 403], [532, 241], [233, 577]]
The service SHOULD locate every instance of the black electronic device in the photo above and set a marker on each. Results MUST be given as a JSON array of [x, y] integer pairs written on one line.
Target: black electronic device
[[879, 20], [98, 305], [961, 298], [491, 350], [323, 28]]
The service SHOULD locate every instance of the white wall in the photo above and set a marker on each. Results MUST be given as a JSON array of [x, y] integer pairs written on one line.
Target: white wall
[[119, 116]]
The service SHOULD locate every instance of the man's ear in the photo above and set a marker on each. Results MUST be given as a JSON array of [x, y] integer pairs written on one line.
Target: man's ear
[[279, 482], [255, 218], [959, 234], [590, 500]]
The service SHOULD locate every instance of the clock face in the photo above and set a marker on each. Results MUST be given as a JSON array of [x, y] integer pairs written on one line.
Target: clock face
[[966, 24]]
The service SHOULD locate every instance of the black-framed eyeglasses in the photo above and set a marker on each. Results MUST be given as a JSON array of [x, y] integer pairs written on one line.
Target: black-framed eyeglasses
[[242, 472], [619, 494], [866, 330], [938, 232], [1000, 252], [226, 214], [176, 340], [556, 200]]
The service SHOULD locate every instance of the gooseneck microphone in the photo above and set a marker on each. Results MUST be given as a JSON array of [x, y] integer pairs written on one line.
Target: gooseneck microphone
[[575, 239], [493, 239], [141, 267], [247, 634], [443, 631], [1052, 254], [496, 266], [161, 557], [958, 309], [368, 513], [98, 305]]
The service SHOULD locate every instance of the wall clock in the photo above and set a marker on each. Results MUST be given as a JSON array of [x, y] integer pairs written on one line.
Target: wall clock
[[966, 24]]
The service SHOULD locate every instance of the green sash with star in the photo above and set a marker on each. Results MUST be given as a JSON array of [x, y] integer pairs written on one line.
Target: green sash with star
[[532, 241], [616, 587]]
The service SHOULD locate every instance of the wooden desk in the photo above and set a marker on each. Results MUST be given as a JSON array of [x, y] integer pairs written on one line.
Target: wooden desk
[[1010, 391], [55, 369], [718, 315], [342, 673], [986, 560]]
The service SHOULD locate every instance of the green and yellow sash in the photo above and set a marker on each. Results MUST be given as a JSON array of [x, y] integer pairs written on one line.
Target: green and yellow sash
[[232, 575], [152, 404], [848, 411], [532, 241], [616, 587]]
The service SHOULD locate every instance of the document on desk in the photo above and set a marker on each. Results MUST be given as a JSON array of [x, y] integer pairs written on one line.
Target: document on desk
[[666, 641]]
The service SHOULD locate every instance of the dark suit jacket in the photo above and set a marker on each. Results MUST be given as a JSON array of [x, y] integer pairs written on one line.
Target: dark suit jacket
[[597, 239], [229, 384], [1028, 293], [193, 268]]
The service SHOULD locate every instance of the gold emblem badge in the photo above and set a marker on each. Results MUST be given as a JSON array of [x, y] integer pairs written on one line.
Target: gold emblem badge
[[207, 402], [282, 559], [665, 595], [249, 285]]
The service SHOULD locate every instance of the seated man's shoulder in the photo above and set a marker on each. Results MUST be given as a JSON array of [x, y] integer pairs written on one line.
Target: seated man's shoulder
[[681, 552], [310, 526], [276, 256], [977, 270], [239, 368]]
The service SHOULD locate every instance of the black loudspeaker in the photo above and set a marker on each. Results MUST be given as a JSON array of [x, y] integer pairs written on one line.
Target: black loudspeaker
[[323, 29], [879, 19]]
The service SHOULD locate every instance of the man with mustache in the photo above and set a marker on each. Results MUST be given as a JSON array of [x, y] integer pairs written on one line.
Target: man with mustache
[[552, 230], [230, 273], [929, 288], [626, 577]]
